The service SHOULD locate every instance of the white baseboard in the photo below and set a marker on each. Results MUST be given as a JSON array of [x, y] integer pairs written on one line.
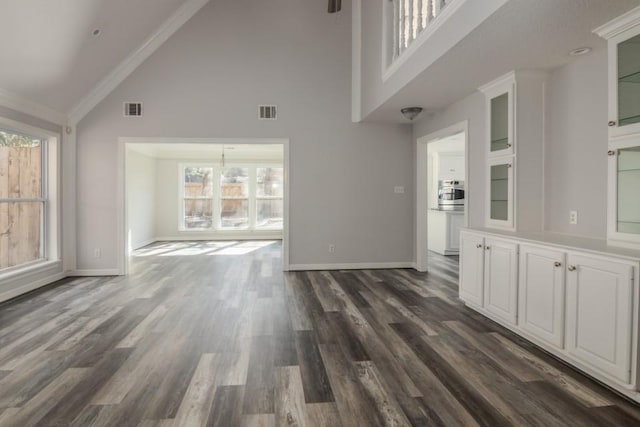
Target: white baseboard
[[143, 243], [352, 266], [31, 286], [95, 273]]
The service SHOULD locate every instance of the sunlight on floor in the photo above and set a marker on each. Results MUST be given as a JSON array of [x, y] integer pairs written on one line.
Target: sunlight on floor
[[172, 249]]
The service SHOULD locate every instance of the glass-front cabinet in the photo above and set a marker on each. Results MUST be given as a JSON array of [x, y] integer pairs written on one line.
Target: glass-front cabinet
[[500, 117], [623, 38], [623, 213], [501, 195], [624, 192]]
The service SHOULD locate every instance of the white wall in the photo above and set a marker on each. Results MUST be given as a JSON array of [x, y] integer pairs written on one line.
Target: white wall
[[576, 146], [207, 81], [141, 199]]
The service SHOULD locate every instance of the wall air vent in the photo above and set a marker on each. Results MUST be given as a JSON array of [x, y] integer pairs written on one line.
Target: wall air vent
[[133, 109], [268, 112]]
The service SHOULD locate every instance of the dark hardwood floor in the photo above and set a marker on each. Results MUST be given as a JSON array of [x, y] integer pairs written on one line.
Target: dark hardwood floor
[[215, 334]]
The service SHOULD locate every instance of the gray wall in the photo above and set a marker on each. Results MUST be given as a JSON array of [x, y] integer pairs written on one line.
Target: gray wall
[[576, 147], [141, 199], [207, 81], [575, 161]]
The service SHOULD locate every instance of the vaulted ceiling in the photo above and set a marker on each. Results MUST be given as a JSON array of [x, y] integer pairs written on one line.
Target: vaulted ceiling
[[49, 54]]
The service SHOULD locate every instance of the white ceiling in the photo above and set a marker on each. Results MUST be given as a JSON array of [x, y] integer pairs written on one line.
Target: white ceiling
[[54, 60], [207, 151], [523, 34]]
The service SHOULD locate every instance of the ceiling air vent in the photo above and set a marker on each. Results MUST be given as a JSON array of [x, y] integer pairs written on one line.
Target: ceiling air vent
[[133, 109], [268, 112]]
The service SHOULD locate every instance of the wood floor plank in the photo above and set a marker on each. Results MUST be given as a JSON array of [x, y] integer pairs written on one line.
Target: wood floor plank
[[315, 381], [196, 404], [226, 409], [290, 401]]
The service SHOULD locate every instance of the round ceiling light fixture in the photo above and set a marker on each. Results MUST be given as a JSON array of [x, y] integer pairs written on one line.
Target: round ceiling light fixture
[[580, 51], [411, 113]]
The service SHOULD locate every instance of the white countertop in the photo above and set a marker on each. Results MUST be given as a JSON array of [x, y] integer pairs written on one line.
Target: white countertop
[[563, 241]]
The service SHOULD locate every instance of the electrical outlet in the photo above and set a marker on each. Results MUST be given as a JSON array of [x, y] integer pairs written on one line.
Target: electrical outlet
[[97, 253], [573, 217], [332, 248], [398, 190]]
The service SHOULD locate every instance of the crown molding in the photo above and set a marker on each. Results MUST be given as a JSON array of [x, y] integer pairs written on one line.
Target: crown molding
[[510, 77], [619, 24], [135, 59], [26, 106]]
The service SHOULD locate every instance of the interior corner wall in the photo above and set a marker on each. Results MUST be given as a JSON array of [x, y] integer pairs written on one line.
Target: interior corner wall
[[575, 160], [141, 199], [208, 80], [576, 146]]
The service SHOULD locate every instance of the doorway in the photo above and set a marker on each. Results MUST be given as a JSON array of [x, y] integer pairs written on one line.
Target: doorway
[[179, 190], [442, 192]]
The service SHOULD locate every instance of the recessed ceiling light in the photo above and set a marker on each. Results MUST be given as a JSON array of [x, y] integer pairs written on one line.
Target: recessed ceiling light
[[96, 32], [580, 51]]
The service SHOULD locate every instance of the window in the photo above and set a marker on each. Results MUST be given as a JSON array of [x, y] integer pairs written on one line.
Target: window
[[410, 18], [269, 197], [198, 198], [234, 198], [23, 198]]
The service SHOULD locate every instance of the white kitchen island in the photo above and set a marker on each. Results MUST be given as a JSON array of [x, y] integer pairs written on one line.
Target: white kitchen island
[[443, 230]]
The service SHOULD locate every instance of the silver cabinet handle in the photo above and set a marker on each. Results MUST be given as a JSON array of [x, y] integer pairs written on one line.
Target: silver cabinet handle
[[572, 268], [612, 123], [478, 245], [558, 264], [488, 248]]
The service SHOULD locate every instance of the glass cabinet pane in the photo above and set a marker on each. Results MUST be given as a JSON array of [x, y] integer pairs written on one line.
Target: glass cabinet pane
[[629, 190], [629, 81], [500, 192], [500, 122]]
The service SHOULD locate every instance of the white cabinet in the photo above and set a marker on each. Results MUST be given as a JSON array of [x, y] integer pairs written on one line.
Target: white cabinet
[[500, 203], [501, 279], [576, 298], [451, 166], [443, 231], [541, 293], [471, 268], [600, 313], [623, 36]]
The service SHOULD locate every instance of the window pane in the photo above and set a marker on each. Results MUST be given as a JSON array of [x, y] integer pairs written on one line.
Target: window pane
[[20, 167], [198, 182], [269, 214], [20, 233], [234, 182], [198, 213], [270, 182], [234, 213]]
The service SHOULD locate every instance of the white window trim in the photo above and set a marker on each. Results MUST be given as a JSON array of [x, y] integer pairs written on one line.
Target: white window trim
[[216, 226], [50, 197]]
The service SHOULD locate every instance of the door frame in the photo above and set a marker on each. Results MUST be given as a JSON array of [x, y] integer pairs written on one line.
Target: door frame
[[122, 244], [422, 201]]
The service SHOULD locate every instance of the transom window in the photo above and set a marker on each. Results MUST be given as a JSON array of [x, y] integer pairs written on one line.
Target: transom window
[[410, 18], [232, 198], [22, 199]]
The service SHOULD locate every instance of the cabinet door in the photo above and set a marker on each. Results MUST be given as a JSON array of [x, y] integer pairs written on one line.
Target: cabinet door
[[541, 293], [451, 166], [456, 222], [599, 314], [471, 268], [500, 211], [501, 279], [624, 86]]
